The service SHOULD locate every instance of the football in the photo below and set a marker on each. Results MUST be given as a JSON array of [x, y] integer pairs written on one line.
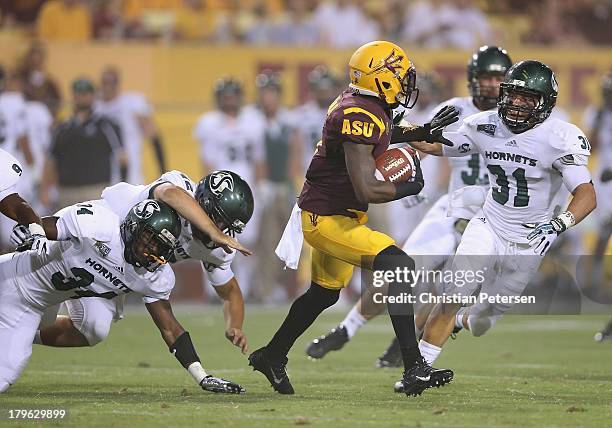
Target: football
[[396, 164]]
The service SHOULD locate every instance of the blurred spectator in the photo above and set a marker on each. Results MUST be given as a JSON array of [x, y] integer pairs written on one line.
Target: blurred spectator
[[38, 85], [297, 26], [276, 193], [64, 20], [85, 154], [232, 137], [256, 24], [390, 18], [440, 24], [39, 123], [108, 21], [597, 122], [19, 12], [14, 139], [343, 24], [194, 21], [133, 114], [309, 117]]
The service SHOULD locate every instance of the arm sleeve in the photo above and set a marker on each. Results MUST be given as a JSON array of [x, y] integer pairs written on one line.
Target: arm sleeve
[[160, 285], [462, 145], [11, 173], [574, 170], [220, 274]]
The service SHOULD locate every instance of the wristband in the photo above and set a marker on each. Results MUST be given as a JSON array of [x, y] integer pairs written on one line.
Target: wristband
[[184, 351], [563, 221], [36, 229]]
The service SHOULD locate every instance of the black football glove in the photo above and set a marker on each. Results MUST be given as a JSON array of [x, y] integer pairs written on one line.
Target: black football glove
[[430, 132]]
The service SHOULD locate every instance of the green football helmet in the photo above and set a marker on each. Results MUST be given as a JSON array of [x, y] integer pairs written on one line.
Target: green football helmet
[[528, 79], [150, 234], [227, 199], [488, 60]]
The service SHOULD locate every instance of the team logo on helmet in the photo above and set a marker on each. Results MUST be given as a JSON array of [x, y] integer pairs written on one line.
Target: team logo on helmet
[[146, 209], [221, 180]]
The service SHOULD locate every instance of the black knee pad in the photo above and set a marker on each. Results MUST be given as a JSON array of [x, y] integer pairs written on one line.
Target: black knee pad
[[322, 296]]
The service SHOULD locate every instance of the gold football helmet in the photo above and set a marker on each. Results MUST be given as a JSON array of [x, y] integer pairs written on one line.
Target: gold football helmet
[[383, 68]]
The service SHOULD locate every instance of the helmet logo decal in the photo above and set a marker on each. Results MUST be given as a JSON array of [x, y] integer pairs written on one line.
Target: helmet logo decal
[[221, 180], [392, 62], [553, 82], [146, 209], [517, 82]]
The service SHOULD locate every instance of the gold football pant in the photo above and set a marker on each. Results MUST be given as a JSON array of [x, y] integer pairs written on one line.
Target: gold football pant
[[338, 244]]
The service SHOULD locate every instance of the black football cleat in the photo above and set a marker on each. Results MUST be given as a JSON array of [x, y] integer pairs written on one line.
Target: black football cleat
[[276, 373], [392, 357], [605, 334], [216, 384], [421, 376], [333, 341]]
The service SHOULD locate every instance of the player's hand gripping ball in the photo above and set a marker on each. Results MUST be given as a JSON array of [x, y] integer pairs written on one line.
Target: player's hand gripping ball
[[396, 165]]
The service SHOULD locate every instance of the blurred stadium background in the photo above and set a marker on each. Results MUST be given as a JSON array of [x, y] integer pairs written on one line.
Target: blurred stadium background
[[172, 53]]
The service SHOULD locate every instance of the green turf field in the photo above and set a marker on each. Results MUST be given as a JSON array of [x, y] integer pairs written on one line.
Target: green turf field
[[527, 372]]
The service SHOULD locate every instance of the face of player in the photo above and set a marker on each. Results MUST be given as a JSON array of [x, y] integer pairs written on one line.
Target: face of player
[[270, 100], [109, 85], [230, 102], [148, 251], [489, 84], [523, 102], [83, 100]]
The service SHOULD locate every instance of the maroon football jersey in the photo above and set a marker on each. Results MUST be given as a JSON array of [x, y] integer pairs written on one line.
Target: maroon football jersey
[[358, 119]]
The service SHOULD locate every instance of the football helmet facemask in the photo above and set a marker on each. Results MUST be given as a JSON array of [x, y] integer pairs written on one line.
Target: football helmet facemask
[[150, 233]]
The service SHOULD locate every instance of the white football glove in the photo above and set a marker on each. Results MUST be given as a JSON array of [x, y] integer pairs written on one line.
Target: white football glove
[[40, 243], [20, 236]]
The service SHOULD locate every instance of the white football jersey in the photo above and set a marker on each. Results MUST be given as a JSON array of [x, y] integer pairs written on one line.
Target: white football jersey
[[308, 120], [124, 110], [38, 122], [122, 196], [87, 262], [469, 170], [12, 121], [10, 173], [525, 187], [236, 144]]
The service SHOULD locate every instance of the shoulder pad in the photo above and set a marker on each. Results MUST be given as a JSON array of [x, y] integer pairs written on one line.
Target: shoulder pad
[[566, 138]]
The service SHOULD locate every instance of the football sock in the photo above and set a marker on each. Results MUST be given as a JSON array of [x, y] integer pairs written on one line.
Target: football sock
[[302, 314], [353, 322], [402, 315], [459, 318], [430, 352]]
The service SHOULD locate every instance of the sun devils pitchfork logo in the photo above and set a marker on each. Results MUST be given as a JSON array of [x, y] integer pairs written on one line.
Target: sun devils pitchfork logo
[[146, 209], [221, 180]]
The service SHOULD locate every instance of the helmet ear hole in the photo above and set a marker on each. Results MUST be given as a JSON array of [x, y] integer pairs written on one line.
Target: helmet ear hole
[[386, 85]]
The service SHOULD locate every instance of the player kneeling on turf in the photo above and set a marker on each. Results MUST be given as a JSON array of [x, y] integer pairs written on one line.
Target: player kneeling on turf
[[95, 254]]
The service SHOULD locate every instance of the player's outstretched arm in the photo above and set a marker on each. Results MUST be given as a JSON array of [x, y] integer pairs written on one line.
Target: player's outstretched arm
[[361, 167], [189, 209], [29, 223], [233, 312], [181, 346]]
